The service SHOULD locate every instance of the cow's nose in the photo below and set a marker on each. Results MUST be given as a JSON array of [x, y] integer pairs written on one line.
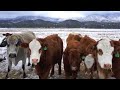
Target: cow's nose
[[107, 66], [12, 55], [73, 68], [34, 60]]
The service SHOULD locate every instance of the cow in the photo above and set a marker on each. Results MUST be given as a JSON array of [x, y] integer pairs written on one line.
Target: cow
[[45, 53], [87, 51], [15, 51], [4, 44], [116, 59], [71, 56], [104, 56]]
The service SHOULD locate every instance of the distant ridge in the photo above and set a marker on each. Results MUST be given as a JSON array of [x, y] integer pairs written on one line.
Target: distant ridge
[[91, 21]]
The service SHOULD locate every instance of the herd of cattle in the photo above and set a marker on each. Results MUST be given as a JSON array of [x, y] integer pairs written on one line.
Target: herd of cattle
[[102, 55]]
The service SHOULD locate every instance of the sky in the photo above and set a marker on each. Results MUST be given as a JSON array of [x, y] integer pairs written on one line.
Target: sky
[[53, 14]]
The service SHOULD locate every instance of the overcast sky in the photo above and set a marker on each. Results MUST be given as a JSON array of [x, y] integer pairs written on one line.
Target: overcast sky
[[54, 14]]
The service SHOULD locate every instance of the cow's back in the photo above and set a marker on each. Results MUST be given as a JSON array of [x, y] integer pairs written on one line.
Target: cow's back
[[27, 36]]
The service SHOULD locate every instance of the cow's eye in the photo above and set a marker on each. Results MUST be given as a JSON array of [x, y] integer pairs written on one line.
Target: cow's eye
[[30, 51], [40, 50], [100, 52]]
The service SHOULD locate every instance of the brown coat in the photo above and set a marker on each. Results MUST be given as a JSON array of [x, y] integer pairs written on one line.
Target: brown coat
[[116, 60], [71, 57], [73, 37], [51, 56]]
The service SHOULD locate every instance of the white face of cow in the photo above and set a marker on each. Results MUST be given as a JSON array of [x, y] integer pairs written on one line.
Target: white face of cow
[[35, 47], [105, 53], [89, 61]]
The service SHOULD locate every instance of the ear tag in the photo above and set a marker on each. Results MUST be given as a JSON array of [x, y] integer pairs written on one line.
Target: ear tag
[[83, 57], [117, 55], [45, 48]]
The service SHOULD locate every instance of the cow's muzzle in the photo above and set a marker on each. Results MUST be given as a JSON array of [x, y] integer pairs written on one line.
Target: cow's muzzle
[[35, 61], [107, 66], [74, 68], [12, 55]]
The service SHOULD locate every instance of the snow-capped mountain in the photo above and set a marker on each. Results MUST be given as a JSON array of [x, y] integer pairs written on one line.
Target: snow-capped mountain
[[110, 17], [103, 17], [97, 18], [24, 18]]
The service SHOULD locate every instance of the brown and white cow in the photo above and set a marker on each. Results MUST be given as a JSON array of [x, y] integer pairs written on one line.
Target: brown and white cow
[[87, 51], [45, 53], [71, 56], [104, 56]]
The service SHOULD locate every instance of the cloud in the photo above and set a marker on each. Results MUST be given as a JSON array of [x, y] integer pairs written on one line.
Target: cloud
[[58, 14]]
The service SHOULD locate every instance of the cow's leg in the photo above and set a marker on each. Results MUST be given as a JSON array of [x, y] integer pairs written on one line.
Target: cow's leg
[[67, 69], [23, 67], [68, 72], [46, 73], [91, 73], [39, 77], [29, 61], [52, 72], [9, 68], [32, 65], [59, 70]]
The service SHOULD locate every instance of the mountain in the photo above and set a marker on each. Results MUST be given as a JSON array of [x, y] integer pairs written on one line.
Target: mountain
[[108, 17], [23, 18], [38, 23], [103, 17], [108, 20]]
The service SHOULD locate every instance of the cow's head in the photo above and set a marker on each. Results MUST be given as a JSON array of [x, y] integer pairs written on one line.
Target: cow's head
[[74, 59], [13, 43], [6, 34], [36, 48], [105, 50], [4, 41]]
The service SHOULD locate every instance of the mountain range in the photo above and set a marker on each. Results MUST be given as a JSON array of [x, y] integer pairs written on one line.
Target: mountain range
[[108, 20], [103, 17]]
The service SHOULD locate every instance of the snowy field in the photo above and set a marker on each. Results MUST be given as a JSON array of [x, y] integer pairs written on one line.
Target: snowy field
[[16, 71]]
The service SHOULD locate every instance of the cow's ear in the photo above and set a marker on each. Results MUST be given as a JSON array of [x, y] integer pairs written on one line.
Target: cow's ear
[[112, 43], [4, 34], [41, 40], [24, 45], [7, 34]]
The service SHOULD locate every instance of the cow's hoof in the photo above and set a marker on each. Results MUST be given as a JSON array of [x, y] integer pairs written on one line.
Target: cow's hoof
[[6, 77], [4, 58], [29, 64], [24, 76], [39, 77]]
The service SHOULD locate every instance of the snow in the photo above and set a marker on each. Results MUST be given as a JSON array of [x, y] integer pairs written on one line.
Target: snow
[[16, 71]]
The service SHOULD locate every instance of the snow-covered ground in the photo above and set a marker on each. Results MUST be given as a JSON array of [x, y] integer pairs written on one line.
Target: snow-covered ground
[[16, 72]]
